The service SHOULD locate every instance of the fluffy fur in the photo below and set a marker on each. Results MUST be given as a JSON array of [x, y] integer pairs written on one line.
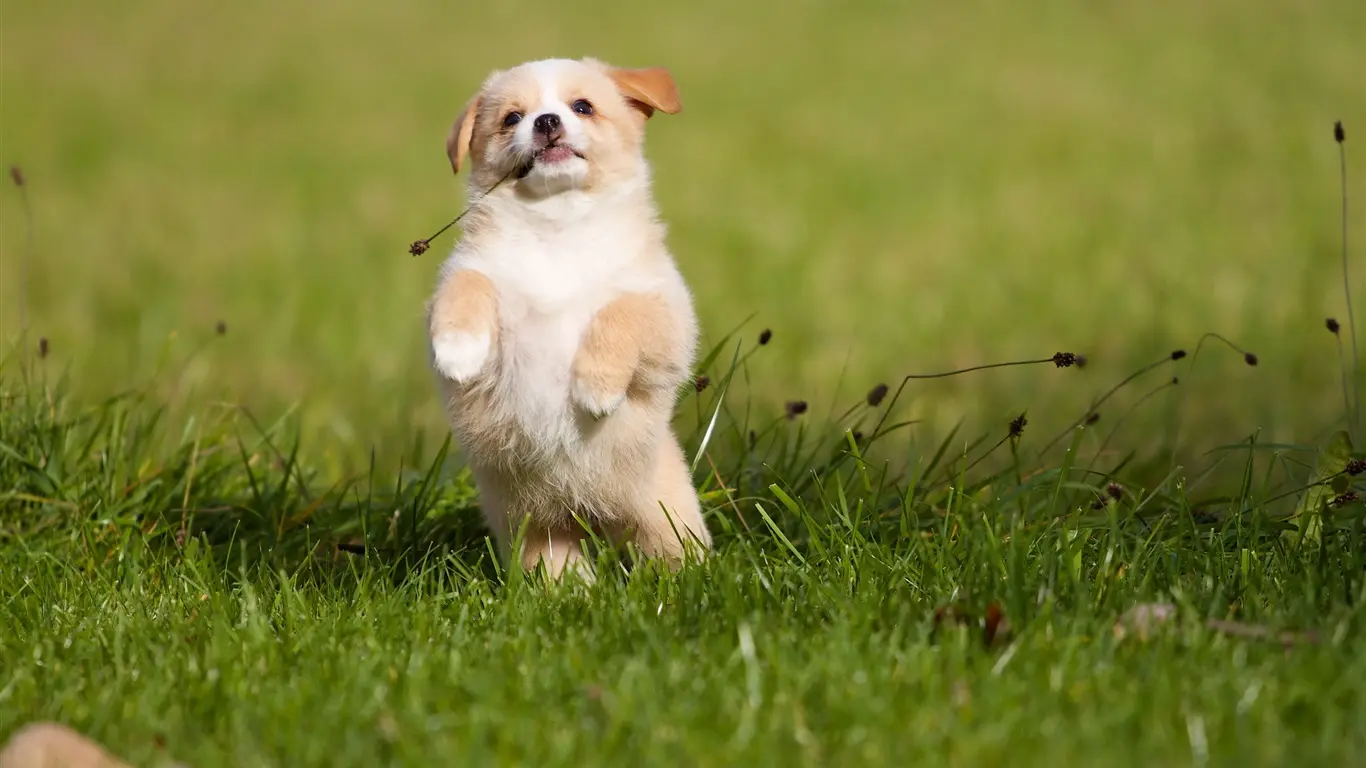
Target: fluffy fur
[[561, 328]]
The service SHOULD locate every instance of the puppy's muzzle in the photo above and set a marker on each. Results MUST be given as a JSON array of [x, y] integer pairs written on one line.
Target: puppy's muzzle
[[548, 133]]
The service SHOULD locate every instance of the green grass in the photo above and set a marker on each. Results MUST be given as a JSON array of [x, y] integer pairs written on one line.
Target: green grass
[[256, 548], [212, 601], [891, 187]]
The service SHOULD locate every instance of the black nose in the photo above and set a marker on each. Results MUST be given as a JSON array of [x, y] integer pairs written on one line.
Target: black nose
[[547, 123]]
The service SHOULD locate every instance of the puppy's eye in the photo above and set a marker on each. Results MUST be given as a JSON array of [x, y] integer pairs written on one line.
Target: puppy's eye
[[512, 119], [582, 107]]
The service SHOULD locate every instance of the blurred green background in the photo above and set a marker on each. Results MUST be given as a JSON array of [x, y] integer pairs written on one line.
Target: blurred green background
[[889, 186]]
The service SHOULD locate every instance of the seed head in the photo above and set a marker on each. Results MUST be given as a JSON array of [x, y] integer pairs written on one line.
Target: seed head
[[220, 328], [1249, 358], [858, 436], [876, 394], [1339, 135], [1178, 354], [700, 382], [418, 247], [1345, 498], [765, 336], [42, 347], [1017, 425], [1115, 491], [1081, 361], [1092, 418], [17, 174], [1064, 359], [795, 408], [1355, 467], [1332, 325]]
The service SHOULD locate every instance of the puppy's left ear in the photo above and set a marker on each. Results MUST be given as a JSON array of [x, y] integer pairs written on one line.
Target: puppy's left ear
[[462, 132], [648, 89]]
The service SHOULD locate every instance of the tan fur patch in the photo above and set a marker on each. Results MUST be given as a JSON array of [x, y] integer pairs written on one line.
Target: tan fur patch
[[468, 302], [462, 132], [667, 522], [558, 550], [633, 332]]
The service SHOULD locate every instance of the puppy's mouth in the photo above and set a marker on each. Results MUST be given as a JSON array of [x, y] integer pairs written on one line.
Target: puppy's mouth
[[550, 154], [556, 153]]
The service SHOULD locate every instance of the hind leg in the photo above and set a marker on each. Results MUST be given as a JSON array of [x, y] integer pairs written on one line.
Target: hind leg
[[666, 519], [559, 547]]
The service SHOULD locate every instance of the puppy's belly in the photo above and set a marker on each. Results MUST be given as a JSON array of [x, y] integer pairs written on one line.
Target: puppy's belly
[[533, 379], [547, 458], [520, 420]]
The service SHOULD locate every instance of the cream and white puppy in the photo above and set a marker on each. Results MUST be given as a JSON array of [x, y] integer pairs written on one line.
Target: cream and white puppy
[[561, 328]]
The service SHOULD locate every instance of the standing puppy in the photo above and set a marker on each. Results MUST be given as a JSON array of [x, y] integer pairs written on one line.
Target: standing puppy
[[561, 328]]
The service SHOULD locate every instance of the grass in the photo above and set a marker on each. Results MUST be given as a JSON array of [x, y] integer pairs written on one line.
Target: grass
[[946, 185], [212, 602], [232, 532]]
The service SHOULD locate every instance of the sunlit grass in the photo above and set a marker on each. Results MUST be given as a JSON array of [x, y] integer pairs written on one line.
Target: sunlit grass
[[196, 589], [891, 188]]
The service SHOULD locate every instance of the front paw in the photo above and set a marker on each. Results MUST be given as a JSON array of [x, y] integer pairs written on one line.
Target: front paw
[[599, 399], [460, 355], [599, 382]]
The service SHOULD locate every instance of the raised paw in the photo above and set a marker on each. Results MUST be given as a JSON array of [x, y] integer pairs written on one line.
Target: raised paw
[[599, 380], [460, 355], [593, 396]]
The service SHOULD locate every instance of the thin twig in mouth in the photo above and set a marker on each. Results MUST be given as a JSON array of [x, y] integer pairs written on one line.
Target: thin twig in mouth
[[420, 247]]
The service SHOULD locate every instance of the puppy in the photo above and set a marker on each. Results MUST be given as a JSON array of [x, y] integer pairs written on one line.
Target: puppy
[[561, 329]]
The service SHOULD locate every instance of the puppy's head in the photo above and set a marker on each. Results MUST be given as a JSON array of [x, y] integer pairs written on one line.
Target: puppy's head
[[559, 124]]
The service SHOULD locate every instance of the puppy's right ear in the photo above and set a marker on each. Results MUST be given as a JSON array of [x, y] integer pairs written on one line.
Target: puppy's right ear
[[462, 131]]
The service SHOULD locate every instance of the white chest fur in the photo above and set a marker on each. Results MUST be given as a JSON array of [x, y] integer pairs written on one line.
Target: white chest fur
[[553, 270]]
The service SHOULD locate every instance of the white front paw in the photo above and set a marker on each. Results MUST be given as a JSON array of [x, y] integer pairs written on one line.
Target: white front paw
[[460, 356], [597, 402]]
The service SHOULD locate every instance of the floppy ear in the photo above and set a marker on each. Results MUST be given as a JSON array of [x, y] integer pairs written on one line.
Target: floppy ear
[[458, 141], [648, 89]]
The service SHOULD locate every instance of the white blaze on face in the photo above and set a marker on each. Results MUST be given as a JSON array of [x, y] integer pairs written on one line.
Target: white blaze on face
[[555, 86]]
